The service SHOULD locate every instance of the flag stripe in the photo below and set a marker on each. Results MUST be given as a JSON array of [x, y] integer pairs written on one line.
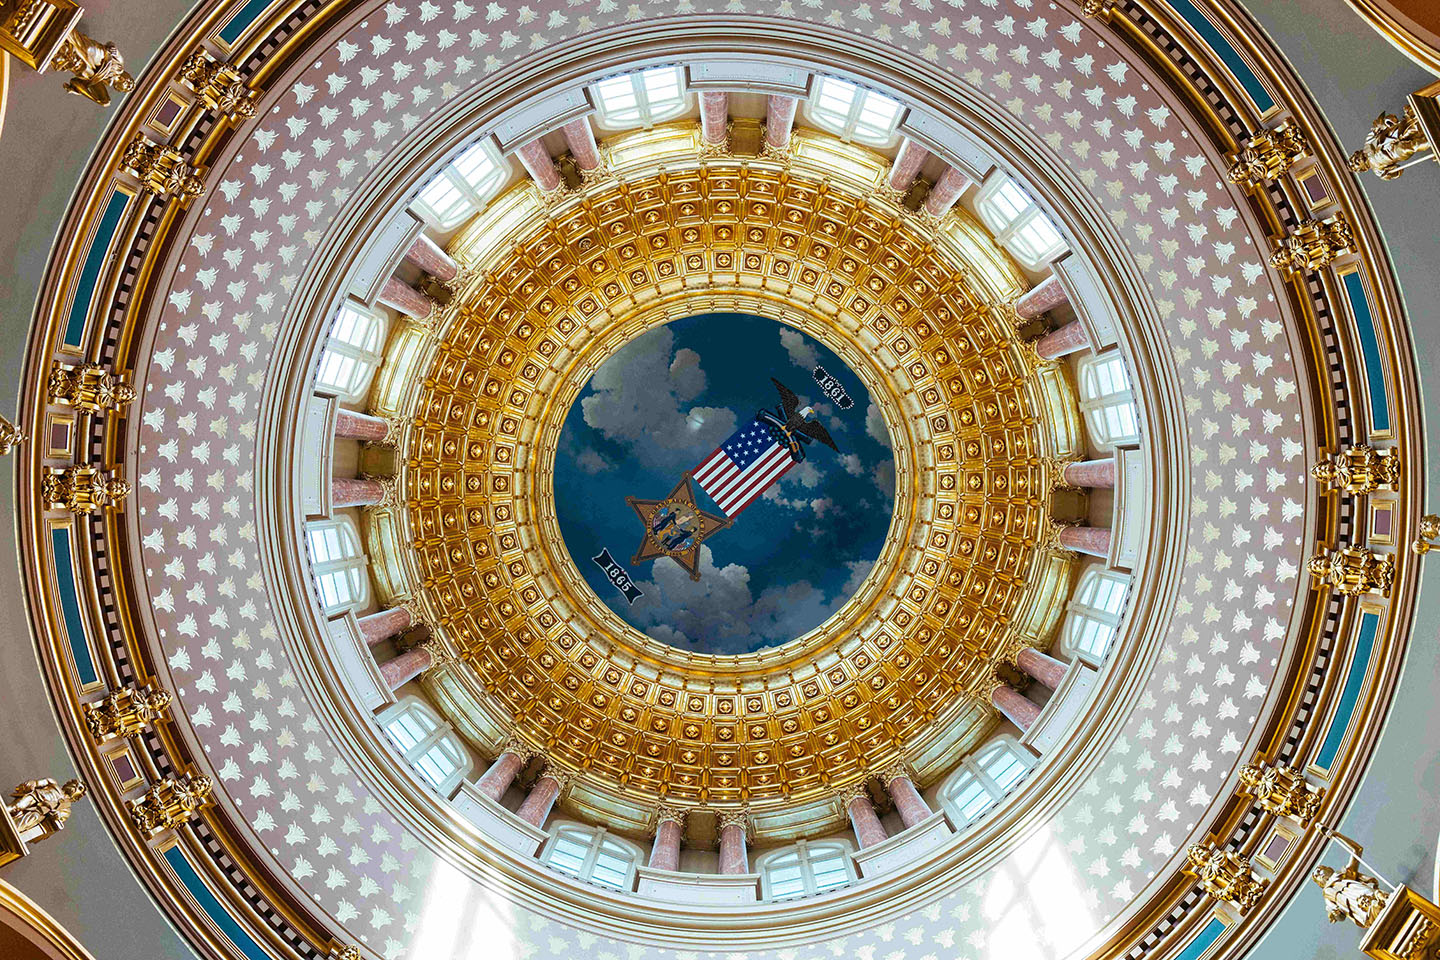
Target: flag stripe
[[758, 490], [760, 472], [722, 488]]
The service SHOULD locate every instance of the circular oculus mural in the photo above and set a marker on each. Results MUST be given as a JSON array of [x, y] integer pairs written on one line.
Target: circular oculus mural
[[724, 483]]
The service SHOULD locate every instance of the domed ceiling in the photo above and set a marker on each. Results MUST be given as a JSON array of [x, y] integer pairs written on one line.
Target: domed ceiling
[[859, 564]]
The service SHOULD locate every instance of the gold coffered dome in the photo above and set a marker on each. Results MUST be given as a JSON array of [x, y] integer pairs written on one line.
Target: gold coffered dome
[[961, 583]]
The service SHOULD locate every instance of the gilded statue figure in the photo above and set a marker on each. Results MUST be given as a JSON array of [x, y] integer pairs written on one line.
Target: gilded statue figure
[[1353, 571], [83, 490], [1281, 791], [170, 803], [1224, 875], [1349, 894], [1359, 469], [1268, 154], [88, 386], [125, 712], [41, 807], [11, 436], [96, 67], [1390, 144]]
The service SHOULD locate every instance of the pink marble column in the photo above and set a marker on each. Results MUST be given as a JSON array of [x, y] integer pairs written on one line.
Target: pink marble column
[[1012, 703], [542, 797], [1044, 296], [1058, 343], [1041, 666], [379, 627], [714, 113], [734, 859], [669, 831], [779, 120], [497, 779], [868, 828], [399, 295], [400, 670], [539, 164], [432, 258], [353, 425], [355, 492], [580, 138], [946, 191], [907, 165], [908, 803], [1090, 473], [1094, 541]]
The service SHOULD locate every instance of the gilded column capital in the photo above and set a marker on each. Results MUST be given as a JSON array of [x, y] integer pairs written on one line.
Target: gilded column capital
[[562, 777], [733, 818], [1225, 875], [664, 811], [125, 712], [846, 795], [1050, 536], [390, 491], [514, 744], [899, 770], [1054, 469]]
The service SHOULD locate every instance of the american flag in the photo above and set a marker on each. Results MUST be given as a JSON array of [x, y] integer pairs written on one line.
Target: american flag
[[743, 467]]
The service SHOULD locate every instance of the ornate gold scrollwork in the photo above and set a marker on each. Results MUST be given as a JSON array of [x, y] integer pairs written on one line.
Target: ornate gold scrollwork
[[88, 386]]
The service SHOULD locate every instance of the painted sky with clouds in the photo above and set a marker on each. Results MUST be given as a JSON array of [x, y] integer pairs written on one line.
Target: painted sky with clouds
[[659, 406]]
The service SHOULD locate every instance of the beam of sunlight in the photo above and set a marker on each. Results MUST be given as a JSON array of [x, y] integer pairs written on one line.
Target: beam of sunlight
[[460, 920]]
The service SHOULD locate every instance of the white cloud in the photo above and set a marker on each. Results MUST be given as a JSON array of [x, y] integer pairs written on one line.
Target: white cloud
[[852, 465], [591, 462], [875, 426], [802, 352], [641, 398], [884, 477]]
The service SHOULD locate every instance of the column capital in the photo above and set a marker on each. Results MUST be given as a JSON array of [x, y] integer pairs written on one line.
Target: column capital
[[1050, 537], [846, 795], [513, 744], [663, 812], [733, 818], [898, 770], [563, 778], [390, 487], [1054, 468]]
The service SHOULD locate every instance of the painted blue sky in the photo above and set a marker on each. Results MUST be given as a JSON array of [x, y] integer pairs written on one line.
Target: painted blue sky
[[662, 404]]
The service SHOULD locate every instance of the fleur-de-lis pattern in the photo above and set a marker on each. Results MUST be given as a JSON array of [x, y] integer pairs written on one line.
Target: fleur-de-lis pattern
[[1146, 166]]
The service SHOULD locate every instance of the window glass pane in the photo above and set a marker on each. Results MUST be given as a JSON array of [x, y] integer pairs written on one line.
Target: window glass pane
[[641, 99]]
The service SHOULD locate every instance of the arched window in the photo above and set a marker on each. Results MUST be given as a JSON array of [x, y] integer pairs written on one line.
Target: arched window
[[1018, 223], [1093, 615], [983, 779], [352, 353], [338, 563], [640, 99], [1106, 400], [852, 112], [428, 743], [592, 854], [805, 869], [463, 187]]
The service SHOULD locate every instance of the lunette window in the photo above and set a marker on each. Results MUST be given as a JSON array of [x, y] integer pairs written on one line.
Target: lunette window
[[852, 112], [641, 99]]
